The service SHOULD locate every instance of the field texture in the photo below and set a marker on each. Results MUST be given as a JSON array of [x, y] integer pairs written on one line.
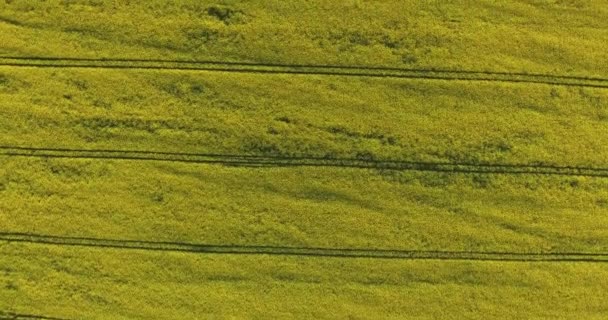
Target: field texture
[[303, 159]]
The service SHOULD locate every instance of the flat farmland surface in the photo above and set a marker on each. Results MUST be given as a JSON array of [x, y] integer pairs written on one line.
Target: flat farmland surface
[[514, 36], [304, 115], [303, 159], [304, 207], [101, 284]]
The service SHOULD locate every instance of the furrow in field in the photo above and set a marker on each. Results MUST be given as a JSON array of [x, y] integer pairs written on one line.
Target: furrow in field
[[280, 161], [318, 66], [300, 69], [21, 316], [304, 251]]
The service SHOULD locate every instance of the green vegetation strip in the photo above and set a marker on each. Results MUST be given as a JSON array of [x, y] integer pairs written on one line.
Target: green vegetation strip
[[276, 115], [303, 207], [294, 251], [96, 283], [565, 37], [430, 74], [277, 161]]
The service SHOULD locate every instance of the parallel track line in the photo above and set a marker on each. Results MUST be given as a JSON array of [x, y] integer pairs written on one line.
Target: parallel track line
[[303, 251], [301, 69], [282, 161]]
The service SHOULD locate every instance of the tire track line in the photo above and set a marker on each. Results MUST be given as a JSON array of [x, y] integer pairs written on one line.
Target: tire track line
[[320, 66], [281, 161], [300, 69], [20, 316], [301, 251]]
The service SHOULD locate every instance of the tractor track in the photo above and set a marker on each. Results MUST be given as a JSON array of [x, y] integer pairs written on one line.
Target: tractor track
[[21, 316], [301, 69], [282, 161], [302, 251]]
